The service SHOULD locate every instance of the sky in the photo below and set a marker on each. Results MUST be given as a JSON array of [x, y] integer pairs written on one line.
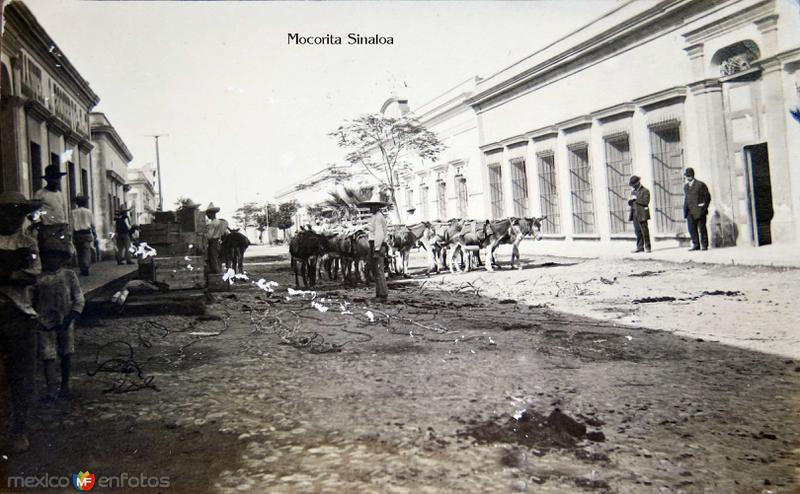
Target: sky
[[247, 113]]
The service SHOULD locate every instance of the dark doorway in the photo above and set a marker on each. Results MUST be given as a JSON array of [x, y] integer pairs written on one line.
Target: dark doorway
[[73, 183], [36, 167], [8, 138], [761, 211]]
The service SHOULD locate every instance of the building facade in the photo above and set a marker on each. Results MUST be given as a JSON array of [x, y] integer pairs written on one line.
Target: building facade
[[142, 196], [451, 186], [650, 89], [44, 110], [110, 157]]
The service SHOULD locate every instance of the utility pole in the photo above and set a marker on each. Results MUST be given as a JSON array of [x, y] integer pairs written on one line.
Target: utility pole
[[158, 167]]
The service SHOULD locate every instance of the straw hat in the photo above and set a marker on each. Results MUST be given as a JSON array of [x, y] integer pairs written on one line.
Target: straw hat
[[374, 201], [52, 172], [211, 208], [12, 199]]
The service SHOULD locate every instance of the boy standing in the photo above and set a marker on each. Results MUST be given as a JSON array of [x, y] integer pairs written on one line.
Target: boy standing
[[19, 267], [59, 302]]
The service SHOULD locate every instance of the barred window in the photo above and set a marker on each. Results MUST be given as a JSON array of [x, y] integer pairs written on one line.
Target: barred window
[[548, 192], [580, 173], [667, 157], [410, 198], [423, 202], [519, 187], [441, 199], [618, 172], [461, 192], [496, 190]]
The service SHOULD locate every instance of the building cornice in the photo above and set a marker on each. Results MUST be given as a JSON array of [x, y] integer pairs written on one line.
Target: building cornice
[[21, 20], [727, 23], [491, 147], [617, 111], [116, 176], [661, 97], [543, 133], [619, 35], [105, 128], [575, 123], [37, 110], [705, 86]]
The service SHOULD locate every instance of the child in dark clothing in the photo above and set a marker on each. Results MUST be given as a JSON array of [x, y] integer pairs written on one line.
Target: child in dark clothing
[[59, 302], [19, 268]]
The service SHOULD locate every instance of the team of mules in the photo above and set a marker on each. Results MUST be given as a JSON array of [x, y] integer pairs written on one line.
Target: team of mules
[[456, 244]]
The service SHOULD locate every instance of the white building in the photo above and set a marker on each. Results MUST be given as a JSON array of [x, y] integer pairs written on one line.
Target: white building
[[142, 196], [649, 88]]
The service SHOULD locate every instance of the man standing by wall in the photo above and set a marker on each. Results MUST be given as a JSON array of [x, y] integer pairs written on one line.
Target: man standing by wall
[[84, 234], [695, 209], [122, 236], [215, 230], [639, 202], [55, 214]]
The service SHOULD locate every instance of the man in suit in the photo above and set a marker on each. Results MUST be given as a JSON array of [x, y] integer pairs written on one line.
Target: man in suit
[[695, 209], [639, 201]]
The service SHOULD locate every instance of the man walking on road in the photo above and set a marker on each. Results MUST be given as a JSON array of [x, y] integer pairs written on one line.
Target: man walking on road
[[639, 202], [695, 210]]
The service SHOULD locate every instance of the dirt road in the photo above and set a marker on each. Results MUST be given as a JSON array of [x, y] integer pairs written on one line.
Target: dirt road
[[442, 390]]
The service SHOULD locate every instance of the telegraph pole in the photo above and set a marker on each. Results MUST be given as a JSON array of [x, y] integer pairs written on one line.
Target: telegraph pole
[[158, 167]]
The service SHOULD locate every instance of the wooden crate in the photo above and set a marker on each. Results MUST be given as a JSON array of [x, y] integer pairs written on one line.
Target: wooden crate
[[163, 217], [192, 220], [176, 274]]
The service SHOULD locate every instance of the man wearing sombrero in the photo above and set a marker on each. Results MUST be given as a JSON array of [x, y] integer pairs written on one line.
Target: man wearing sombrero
[[377, 236], [122, 236], [54, 221], [20, 267], [215, 230]]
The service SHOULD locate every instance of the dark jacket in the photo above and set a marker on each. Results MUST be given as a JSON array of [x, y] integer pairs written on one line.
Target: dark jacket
[[640, 206], [696, 199]]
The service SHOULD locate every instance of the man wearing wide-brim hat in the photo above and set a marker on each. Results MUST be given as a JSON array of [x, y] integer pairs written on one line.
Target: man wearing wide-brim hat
[[639, 201], [122, 235], [54, 220], [215, 230], [19, 268], [377, 236]]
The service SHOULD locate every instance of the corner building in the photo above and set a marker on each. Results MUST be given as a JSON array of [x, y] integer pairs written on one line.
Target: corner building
[[650, 89]]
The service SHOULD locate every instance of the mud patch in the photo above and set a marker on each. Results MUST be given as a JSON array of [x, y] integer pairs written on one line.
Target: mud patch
[[532, 429]]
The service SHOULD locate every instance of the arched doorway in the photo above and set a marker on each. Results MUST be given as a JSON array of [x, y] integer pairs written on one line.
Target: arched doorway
[[8, 155]]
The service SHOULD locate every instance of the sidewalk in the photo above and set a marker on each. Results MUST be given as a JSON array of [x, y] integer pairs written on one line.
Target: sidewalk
[[104, 274], [781, 255]]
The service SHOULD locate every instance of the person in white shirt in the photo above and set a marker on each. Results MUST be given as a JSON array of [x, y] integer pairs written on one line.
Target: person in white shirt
[[377, 237], [215, 230], [83, 233], [54, 218]]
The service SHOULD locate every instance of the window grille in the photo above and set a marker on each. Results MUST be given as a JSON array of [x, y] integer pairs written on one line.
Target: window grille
[[519, 187], [618, 172], [667, 157], [441, 199], [461, 192], [410, 198], [496, 190], [580, 173], [548, 193], [423, 202]]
